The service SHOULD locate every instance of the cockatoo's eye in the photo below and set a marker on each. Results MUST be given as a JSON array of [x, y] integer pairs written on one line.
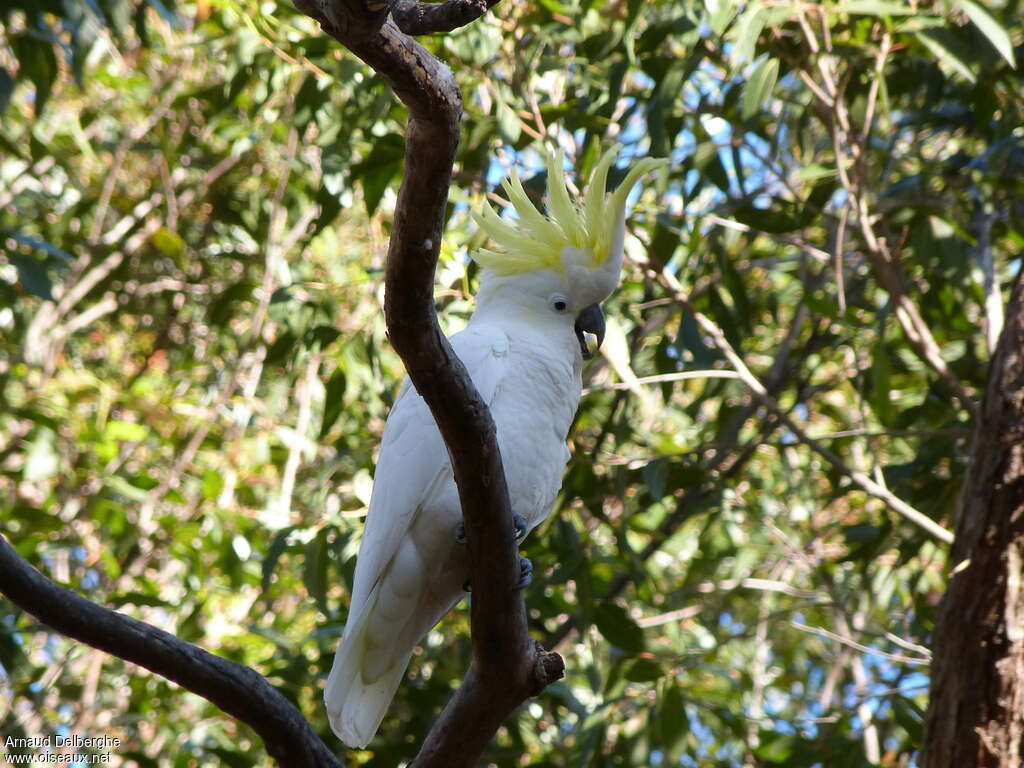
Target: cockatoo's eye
[[558, 302]]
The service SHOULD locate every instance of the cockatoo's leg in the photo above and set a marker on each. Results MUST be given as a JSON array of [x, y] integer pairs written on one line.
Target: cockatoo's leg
[[518, 526], [525, 566]]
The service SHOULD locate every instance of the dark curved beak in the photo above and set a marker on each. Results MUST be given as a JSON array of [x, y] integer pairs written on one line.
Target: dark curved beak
[[590, 320]]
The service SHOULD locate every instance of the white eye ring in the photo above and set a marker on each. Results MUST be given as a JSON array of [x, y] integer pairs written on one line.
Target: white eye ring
[[559, 303]]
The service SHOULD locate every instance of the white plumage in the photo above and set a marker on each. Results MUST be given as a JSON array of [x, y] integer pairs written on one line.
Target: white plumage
[[524, 355]]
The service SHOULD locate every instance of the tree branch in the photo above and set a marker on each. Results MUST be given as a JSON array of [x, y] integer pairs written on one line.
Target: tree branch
[[507, 667], [416, 18], [236, 689]]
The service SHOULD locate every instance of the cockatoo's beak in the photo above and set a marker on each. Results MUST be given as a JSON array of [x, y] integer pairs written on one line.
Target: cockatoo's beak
[[590, 320]]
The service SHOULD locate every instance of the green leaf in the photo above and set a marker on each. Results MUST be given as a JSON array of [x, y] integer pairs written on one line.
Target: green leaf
[[874, 8], [121, 486], [136, 598], [281, 348], [880, 399], [909, 715], [690, 338], [334, 400], [748, 30], [618, 628], [277, 548], [378, 168], [320, 337], [42, 460], [6, 88], [938, 42], [38, 63], [720, 13], [125, 430], [169, 243], [643, 671], [672, 723], [990, 28], [230, 757], [33, 276], [34, 242], [770, 220], [708, 160], [508, 123], [776, 748], [314, 570], [12, 657], [213, 484], [759, 87]]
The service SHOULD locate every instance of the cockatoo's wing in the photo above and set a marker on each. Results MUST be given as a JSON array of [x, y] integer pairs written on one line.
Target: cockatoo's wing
[[413, 459], [392, 602]]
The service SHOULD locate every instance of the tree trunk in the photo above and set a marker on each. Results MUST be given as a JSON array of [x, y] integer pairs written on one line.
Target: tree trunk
[[976, 714]]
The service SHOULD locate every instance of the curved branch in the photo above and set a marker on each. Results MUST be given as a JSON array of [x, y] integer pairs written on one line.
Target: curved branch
[[238, 690], [507, 667]]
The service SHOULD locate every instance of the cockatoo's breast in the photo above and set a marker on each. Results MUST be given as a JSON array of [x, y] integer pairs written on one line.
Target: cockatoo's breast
[[533, 408]]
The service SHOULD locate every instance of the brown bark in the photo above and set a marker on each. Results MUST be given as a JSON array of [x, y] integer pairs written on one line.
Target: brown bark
[[976, 715]]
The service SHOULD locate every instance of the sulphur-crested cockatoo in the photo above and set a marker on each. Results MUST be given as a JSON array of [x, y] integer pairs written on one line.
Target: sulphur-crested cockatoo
[[524, 349]]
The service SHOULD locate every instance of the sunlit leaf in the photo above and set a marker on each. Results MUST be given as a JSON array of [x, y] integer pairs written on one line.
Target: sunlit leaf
[[759, 87], [991, 28]]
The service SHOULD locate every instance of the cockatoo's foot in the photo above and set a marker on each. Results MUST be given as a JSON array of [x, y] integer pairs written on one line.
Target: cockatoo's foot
[[518, 527], [525, 576], [525, 573]]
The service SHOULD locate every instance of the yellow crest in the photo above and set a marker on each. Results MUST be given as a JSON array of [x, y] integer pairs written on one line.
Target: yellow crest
[[536, 241]]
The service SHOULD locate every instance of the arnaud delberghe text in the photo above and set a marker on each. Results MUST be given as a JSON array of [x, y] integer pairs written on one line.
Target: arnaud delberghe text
[[58, 742]]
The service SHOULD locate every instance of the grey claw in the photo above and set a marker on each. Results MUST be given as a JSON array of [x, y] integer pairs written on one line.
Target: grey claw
[[525, 576], [519, 526]]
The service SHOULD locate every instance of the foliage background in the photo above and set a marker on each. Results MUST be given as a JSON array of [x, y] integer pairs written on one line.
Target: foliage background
[[194, 207]]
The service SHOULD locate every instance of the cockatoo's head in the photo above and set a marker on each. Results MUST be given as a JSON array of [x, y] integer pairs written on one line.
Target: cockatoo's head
[[568, 261]]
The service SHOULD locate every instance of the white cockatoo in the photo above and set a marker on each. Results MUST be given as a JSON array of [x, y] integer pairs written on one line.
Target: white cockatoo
[[524, 349]]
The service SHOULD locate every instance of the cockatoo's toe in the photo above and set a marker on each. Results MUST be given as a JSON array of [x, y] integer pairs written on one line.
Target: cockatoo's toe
[[525, 576], [525, 573], [519, 526]]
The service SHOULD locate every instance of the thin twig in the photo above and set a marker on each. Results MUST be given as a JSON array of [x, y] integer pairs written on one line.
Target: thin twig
[[810, 250], [821, 631], [837, 258], [663, 378]]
